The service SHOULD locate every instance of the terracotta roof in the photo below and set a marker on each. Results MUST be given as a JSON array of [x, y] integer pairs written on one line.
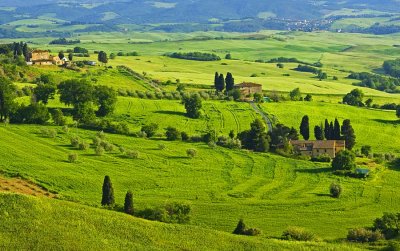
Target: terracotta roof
[[320, 144], [244, 84]]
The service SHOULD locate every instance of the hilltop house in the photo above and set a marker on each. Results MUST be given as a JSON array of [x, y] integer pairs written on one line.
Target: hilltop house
[[315, 148], [42, 57], [248, 89]]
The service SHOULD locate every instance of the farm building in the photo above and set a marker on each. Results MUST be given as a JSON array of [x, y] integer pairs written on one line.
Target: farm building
[[248, 89], [315, 148], [42, 57]]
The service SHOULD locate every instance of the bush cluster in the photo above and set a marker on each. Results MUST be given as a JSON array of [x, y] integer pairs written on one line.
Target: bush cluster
[[298, 234]]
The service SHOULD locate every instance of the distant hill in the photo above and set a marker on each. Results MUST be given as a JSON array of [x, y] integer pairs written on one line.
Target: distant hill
[[170, 11]]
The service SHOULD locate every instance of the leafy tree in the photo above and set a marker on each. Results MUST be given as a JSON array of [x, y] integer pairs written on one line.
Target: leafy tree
[[389, 224], [318, 132], [128, 205], [366, 150], [75, 92], [70, 56], [348, 134], [256, 138], [7, 96], [102, 57], [193, 105], [305, 127], [344, 160], [150, 129], [230, 82], [295, 94], [322, 75], [326, 130], [61, 55], [228, 56], [335, 190], [236, 94], [108, 192], [308, 98], [44, 92], [281, 135], [58, 117], [258, 97], [336, 130], [172, 133], [106, 98], [35, 113], [354, 98], [84, 113]]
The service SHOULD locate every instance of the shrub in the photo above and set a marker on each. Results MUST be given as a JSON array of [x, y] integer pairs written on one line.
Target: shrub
[[172, 134], [184, 136], [75, 140], [83, 145], [389, 225], [366, 150], [58, 117], [97, 141], [191, 153], [128, 205], [161, 146], [121, 149], [72, 157], [212, 144], [108, 146], [101, 135], [253, 232], [132, 154], [364, 235], [142, 134], [344, 160], [99, 150], [335, 190], [150, 129], [242, 230], [298, 234], [65, 129]]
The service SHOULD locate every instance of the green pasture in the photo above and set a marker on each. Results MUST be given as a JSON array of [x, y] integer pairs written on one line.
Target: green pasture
[[51, 224], [376, 128]]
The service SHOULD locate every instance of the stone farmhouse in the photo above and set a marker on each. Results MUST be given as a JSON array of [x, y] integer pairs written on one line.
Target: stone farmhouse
[[42, 57], [248, 89], [315, 148]]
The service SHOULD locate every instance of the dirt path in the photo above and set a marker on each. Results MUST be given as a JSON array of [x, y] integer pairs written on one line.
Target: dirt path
[[263, 115], [16, 185]]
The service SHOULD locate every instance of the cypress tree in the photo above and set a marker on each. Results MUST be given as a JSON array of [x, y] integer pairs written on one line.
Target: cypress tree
[[230, 82], [319, 134], [221, 83], [336, 129], [108, 192], [216, 79], [240, 228], [331, 131], [305, 127], [348, 134], [326, 129], [128, 205]]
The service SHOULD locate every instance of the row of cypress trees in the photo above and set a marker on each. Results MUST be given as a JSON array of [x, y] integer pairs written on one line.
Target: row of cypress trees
[[221, 83], [108, 197], [331, 131]]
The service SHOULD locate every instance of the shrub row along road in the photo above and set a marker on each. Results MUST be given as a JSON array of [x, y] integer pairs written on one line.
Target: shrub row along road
[[263, 115]]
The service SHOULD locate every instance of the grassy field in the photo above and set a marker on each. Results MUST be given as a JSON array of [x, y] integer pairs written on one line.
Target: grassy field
[[376, 128], [71, 226]]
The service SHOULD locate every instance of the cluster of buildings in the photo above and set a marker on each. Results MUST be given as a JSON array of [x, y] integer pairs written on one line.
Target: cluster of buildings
[[42, 57]]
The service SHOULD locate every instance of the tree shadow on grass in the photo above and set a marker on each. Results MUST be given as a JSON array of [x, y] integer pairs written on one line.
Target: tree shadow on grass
[[315, 170], [395, 165], [322, 194], [171, 113], [388, 122], [178, 157]]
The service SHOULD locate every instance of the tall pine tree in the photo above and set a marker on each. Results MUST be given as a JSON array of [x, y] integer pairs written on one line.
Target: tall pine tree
[[128, 205], [348, 134], [108, 192], [319, 134], [216, 79], [230, 82], [221, 83], [326, 129], [305, 127], [336, 129], [331, 131]]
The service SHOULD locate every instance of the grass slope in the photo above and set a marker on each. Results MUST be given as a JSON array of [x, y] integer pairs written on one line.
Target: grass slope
[[57, 225]]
